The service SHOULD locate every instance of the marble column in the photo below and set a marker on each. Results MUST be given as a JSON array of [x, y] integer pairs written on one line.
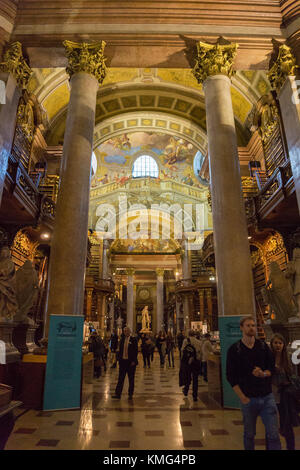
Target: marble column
[[130, 295], [186, 265], [69, 242], [208, 295], [89, 299], [112, 314], [14, 76], [105, 265], [160, 299], [101, 310], [232, 252], [201, 303], [283, 79]]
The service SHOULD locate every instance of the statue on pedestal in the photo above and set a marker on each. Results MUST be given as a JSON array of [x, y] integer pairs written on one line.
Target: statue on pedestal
[[27, 291], [8, 300], [280, 295], [145, 319]]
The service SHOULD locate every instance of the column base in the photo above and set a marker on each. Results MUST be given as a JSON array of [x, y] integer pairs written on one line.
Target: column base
[[10, 353]]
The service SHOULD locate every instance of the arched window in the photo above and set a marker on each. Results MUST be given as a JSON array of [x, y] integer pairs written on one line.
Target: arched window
[[145, 166]]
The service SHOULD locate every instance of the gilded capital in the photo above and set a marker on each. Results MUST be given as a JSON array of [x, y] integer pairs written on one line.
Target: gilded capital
[[130, 271], [214, 59], [84, 57], [159, 271], [14, 63], [284, 66]]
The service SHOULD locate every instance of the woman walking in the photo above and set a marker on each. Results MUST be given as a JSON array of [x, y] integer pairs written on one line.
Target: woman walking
[[170, 348], [283, 390]]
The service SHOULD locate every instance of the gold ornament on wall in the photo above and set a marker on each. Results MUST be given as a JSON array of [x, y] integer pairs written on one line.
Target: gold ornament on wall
[[23, 245], [84, 57], [25, 119], [14, 63], [274, 245], [214, 59], [284, 66]]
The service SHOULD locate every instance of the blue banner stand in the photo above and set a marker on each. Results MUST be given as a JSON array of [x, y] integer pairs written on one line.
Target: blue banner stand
[[229, 329], [64, 359]]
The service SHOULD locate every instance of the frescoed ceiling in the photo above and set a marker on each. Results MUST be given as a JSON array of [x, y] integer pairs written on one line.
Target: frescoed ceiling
[[174, 92], [174, 156]]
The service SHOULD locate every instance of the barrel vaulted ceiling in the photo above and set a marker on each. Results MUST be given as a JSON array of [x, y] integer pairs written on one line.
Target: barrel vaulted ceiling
[[169, 99]]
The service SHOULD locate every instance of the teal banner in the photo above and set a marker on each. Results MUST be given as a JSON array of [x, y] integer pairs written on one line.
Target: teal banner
[[63, 372], [229, 328]]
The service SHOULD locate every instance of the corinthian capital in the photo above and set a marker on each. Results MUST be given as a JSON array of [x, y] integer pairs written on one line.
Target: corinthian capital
[[159, 272], [284, 66], [14, 63], [214, 59], [84, 57]]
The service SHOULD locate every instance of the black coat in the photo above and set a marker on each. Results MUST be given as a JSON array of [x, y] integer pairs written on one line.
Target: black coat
[[132, 349]]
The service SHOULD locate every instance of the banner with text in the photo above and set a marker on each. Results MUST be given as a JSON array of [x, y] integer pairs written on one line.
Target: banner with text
[[230, 333], [63, 372]]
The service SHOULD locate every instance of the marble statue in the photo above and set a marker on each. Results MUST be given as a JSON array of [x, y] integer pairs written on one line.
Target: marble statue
[[280, 295], [8, 300], [119, 322], [27, 291], [293, 273], [145, 319]]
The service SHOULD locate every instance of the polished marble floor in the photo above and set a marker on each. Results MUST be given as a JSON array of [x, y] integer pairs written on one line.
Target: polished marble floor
[[158, 418]]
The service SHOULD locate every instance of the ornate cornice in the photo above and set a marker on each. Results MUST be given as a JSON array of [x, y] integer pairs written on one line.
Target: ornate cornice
[[84, 57], [214, 59], [284, 66], [14, 63]]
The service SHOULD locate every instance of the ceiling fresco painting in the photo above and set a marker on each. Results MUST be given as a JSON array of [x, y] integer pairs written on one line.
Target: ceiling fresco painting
[[174, 156]]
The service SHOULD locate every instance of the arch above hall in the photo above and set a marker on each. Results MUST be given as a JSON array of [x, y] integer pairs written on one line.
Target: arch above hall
[[168, 91]]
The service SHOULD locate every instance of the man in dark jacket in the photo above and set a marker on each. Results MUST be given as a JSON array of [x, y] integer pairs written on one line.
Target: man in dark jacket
[[128, 351], [250, 365]]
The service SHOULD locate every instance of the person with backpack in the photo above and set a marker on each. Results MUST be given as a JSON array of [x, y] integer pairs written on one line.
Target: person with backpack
[[249, 369], [190, 364]]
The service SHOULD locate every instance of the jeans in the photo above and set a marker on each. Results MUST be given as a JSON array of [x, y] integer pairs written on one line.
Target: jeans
[[146, 358], [265, 407], [192, 376]]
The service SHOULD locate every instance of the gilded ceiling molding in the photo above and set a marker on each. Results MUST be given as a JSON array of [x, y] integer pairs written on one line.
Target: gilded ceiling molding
[[14, 63], [214, 59], [84, 57], [284, 66]]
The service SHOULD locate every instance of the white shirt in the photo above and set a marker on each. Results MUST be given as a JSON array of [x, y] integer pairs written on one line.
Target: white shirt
[[207, 349]]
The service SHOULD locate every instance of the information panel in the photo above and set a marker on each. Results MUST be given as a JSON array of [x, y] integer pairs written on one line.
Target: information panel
[[229, 328], [63, 372]]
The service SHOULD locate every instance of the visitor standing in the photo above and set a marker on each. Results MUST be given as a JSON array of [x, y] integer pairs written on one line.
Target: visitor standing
[[170, 342], [180, 339], [206, 349], [128, 352], [249, 369], [190, 364]]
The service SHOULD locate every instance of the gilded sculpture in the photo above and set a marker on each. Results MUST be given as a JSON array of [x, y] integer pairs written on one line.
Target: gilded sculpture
[[214, 59], [284, 66], [84, 57], [14, 63]]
